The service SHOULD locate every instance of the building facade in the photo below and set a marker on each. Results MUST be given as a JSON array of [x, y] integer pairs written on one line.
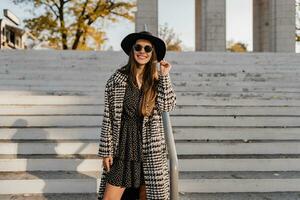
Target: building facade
[[273, 24], [11, 35]]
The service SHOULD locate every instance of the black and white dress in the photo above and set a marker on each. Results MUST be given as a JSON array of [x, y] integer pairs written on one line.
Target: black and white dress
[[127, 169]]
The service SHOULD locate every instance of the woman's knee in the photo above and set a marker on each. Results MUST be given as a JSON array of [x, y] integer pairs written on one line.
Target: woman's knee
[[113, 192]]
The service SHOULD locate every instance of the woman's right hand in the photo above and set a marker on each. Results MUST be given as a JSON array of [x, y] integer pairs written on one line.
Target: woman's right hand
[[107, 162]]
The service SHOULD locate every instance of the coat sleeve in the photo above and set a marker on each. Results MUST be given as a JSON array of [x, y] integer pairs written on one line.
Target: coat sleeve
[[105, 145], [166, 98]]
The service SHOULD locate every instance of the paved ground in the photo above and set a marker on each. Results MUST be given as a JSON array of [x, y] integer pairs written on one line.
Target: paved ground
[[243, 196], [190, 196]]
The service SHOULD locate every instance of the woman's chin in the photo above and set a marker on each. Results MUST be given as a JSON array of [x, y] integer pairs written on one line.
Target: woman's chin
[[142, 62]]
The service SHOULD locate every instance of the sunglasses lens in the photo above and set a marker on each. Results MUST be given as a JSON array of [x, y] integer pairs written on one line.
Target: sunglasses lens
[[138, 47], [148, 49]]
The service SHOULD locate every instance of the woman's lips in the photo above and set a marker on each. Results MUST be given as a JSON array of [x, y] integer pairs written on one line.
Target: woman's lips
[[141, 56]]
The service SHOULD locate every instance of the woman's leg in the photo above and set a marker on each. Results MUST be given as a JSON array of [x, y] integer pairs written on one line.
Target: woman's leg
[[113, 192], [143, 192]]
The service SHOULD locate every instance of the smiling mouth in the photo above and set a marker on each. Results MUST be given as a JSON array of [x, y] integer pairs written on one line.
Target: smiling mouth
[[141, 57]]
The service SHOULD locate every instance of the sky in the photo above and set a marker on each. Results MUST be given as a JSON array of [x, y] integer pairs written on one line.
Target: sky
[[179, 15]]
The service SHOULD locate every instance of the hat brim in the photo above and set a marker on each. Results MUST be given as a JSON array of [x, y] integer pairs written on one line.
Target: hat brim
[[159, 44]]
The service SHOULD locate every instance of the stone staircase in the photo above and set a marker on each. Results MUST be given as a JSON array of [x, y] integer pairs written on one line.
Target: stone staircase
[[236, 126]]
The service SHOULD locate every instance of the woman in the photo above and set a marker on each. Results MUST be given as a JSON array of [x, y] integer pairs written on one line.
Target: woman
[[132, 142]]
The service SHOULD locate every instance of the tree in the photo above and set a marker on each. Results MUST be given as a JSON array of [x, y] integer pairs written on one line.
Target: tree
[[236, 46], [74, 24], [173, 43]]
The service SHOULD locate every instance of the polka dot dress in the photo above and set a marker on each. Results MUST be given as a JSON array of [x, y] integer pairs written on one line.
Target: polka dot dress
[[127, 170]]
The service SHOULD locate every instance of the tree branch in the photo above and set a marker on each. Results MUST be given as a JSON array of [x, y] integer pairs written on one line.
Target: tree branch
[[64, 36], [52, 9], [56, 5], [80, 20]]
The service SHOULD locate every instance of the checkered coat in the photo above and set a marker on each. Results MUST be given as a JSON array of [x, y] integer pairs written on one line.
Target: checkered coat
[[155, 164]]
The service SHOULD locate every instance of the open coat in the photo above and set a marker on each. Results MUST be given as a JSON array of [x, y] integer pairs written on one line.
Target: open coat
[[154, 148]]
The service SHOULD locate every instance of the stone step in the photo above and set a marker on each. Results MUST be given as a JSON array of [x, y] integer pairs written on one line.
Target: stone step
[[234, 68], [66, 147], [49, 196], [69, 147], [227, 95], [239, 164], [69, 68], [110, 60], [19, 163], [88, 133], [240, 175], [241, 196], [54, 109], [179, 86], [177, 121], [50, 121], [277, 59], [31, 98], [181, 110], [88, 182], [180, 133], [184, 97], [187, 58], [237, 148], [239, 182], [49, 182], [107, 68], [200, 98], [177, 83], [210, 77], [236, 133], [182, 196]]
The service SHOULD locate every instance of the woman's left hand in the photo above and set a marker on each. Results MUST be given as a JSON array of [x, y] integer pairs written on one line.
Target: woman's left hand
[[164, 67]]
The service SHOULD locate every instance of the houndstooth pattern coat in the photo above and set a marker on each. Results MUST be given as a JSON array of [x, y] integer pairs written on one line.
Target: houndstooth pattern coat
[[155, 164]]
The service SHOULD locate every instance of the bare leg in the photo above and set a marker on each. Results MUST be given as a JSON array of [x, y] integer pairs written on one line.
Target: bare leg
[[113, 192], [142, 192]]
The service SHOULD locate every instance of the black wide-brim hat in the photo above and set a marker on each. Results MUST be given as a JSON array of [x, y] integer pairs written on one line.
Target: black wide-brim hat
[[159, 45]]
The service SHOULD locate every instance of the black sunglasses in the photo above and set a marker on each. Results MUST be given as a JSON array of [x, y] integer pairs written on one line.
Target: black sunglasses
[[138, 47]]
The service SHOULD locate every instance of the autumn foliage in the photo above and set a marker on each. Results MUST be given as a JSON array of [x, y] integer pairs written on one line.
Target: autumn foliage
[[74, 24]]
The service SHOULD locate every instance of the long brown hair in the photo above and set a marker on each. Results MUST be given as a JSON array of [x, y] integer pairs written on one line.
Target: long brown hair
[[150, 80]]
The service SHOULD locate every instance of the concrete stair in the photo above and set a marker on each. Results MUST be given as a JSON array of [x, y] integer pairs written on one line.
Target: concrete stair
[[236, 126]]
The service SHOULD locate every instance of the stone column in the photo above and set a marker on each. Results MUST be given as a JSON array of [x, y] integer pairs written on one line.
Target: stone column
[[274, 25], [147, 13], [210, 25], [261, 25]]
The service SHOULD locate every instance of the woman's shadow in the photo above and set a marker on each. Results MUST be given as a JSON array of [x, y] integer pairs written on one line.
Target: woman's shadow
[[38, 146]]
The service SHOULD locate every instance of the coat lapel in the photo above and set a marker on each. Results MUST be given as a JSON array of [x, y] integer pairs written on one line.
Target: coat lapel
[[121, 83]]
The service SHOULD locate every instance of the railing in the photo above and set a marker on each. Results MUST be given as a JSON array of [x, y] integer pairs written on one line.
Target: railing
[[172, 156]]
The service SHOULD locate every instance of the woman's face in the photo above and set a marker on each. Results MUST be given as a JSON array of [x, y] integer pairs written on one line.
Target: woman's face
[[142, 53]]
